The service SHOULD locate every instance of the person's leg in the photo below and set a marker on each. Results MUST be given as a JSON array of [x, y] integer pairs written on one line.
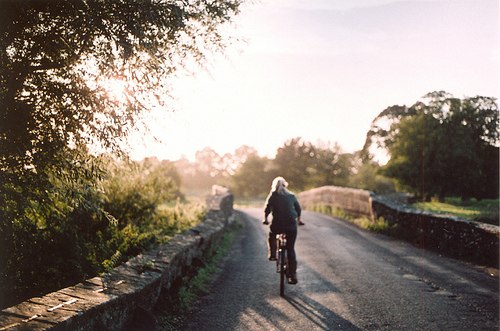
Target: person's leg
[[292, 258], [271, 246]]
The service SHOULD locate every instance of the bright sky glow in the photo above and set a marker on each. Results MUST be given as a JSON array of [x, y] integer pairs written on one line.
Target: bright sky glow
[[323, 69]]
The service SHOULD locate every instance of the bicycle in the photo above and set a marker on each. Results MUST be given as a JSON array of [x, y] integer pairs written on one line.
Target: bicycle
[[282, 266], [281, 260]]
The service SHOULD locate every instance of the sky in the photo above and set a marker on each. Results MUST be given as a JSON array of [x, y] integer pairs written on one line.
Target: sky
[[322, 70]]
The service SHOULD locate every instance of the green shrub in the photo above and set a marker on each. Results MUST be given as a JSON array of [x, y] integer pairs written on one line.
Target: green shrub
[[134, 190], [329, 210], [379, 225], [75, 228], [52, 237]]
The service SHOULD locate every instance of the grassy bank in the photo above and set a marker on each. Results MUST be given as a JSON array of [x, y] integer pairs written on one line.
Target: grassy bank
[[481, 211], [379, 225]]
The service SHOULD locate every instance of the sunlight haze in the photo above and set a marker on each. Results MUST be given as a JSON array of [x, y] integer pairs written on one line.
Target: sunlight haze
[[323, 70]]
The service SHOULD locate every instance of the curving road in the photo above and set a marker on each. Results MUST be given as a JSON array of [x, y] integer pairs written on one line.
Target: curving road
[[349, 279]]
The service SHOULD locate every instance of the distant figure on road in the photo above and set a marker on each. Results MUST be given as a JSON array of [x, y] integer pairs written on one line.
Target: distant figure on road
[[286, 211]]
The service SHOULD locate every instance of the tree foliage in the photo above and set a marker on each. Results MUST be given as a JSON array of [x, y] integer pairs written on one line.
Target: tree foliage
[[441, 146], [253, 177], [59, 58], [60, 63], [66, 238], [294, 161], [148, 184], [368, 176], [304, 165]]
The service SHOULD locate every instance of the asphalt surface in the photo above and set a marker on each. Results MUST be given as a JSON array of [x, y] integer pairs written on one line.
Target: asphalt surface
[[349, 279]]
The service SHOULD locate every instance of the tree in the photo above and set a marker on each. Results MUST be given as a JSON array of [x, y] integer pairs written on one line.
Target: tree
[[231, 162], [414, 154], [381, 132], [253, 178], [331, 166], [367, 176], [295, 162], [471, 138], [60, 59], [306, 165], [442, 146], [210, 168]]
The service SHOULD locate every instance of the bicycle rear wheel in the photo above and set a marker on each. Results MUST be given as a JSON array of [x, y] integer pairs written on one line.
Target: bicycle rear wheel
[[278, 256], [283, 266]]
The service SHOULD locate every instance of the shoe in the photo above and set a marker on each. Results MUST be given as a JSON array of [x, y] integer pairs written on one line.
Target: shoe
[[301, 223], [272, 258], [292, 280]]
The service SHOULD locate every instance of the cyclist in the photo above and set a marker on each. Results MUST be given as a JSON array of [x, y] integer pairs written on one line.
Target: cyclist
[[286, 211]]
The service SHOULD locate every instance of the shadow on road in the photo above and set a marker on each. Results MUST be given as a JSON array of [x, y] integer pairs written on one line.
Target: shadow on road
[[321, 316]]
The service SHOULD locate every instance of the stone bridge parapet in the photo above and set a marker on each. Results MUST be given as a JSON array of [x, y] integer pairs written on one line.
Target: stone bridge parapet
[[110, 301], [458, 238]]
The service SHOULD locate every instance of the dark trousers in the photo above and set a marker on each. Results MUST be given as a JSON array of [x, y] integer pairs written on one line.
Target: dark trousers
[[291, 236]]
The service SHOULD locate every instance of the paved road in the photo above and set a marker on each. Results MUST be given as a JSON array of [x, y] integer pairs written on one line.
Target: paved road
[[349, 279]]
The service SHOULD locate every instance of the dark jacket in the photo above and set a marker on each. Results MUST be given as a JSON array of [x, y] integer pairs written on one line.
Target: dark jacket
[[285, 209]]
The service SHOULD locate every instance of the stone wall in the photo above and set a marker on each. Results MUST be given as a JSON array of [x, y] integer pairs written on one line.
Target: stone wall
[[458, 238], [467, 240], [110, 301], [353, 201]]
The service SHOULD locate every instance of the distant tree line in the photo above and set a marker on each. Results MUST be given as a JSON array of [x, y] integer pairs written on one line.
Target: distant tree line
[[439, 147], [304, 164]]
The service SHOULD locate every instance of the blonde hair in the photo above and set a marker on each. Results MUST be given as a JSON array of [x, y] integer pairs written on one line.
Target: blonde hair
[[279, 185]]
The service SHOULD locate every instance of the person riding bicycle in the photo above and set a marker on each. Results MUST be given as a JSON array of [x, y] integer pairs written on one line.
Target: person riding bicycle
[[286, 210]]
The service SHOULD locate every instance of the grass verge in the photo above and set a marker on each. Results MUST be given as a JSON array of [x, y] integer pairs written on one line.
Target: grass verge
[[379, 225], [486, 211]]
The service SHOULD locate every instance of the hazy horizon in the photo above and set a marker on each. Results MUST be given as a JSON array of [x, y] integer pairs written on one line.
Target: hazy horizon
[[323, 70]]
